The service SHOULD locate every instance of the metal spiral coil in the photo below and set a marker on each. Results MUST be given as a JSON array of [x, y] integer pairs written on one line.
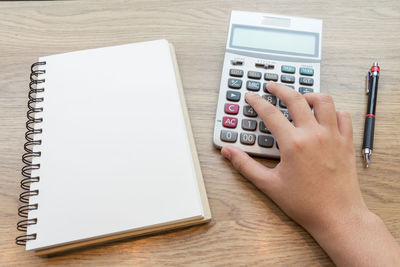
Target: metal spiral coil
[[29, 155]]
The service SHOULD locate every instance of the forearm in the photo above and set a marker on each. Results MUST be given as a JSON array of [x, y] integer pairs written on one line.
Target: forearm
[[362, 239]]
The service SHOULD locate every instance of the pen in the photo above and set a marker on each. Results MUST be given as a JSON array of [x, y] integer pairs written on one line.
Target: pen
[[372, 91]]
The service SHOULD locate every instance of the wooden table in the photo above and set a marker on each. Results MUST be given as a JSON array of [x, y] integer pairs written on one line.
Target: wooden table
[[247, 227]]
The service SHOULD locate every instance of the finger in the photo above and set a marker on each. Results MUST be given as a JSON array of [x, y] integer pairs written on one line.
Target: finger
[[262, 177], [275, 121], [344, 124], [297, 105], [324, 109]]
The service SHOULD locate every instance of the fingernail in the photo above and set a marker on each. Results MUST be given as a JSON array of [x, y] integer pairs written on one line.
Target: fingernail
[[226, 153]]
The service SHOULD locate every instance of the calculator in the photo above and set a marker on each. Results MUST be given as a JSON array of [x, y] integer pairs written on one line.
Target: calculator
[[261, 48]]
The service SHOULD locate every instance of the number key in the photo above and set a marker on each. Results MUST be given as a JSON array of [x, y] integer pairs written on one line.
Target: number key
[[263, 128], [247, 138], [270, 98], [228, 136], [286, 114], [249, 125], [249, 111], [281, 104]]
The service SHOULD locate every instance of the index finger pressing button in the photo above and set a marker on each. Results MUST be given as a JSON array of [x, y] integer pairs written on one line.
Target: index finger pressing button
[[270, 98]]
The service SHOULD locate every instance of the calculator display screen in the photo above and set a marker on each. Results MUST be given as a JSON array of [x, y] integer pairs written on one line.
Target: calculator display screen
[[275, 40]]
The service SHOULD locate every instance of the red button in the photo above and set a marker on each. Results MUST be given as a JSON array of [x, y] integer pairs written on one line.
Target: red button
[[231, 108], [230, 122]]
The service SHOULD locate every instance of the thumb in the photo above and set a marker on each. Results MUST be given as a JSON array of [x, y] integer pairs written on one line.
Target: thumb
[[262, 177]]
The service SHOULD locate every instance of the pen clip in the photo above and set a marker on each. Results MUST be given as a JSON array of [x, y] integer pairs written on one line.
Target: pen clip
[[368, 77]]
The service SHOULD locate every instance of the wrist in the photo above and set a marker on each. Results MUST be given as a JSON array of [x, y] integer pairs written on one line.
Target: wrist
[[345, 223]]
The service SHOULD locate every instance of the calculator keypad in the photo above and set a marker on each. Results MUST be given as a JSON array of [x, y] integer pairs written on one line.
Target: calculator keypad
[[237, 122]]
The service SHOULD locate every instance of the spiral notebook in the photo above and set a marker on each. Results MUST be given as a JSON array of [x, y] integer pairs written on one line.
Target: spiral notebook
[[109, 153]]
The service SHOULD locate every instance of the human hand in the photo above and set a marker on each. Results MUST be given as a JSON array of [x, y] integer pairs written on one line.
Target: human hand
[[315, 182]]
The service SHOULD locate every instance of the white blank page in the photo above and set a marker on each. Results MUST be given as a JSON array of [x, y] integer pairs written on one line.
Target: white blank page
[[115, 152]]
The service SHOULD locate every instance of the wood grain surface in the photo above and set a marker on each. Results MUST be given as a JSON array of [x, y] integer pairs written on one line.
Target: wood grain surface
[[247, 227]]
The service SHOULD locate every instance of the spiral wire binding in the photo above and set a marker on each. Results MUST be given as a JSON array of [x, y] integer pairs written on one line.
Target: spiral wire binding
[[29, 155]]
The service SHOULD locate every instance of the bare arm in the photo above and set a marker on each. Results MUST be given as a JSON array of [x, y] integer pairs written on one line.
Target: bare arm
[[316, 182]]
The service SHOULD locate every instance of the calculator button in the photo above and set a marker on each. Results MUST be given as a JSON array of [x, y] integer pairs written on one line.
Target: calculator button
[[288, 85], [253, 85], [286, 114], [236, 73], [254, 75], [249, 111], [233, 95], [305, 90], [265, 140], [230, 122], [287, 79], [250, 125], [231, 108], [288, 69], [306, 81], [307, 71], [270, 98], [228, 136], [271, 77], [281, 104], [265, 88], [234, 83], [263, 128], [247, 138]]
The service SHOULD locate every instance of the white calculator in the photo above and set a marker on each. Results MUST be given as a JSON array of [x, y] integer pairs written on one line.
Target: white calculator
[[264, 47]]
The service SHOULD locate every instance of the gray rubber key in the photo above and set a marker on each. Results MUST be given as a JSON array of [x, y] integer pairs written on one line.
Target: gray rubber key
[[229, 136], [250, 125], [249, 111], [265, 140], [234, 83], [247, 138]]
